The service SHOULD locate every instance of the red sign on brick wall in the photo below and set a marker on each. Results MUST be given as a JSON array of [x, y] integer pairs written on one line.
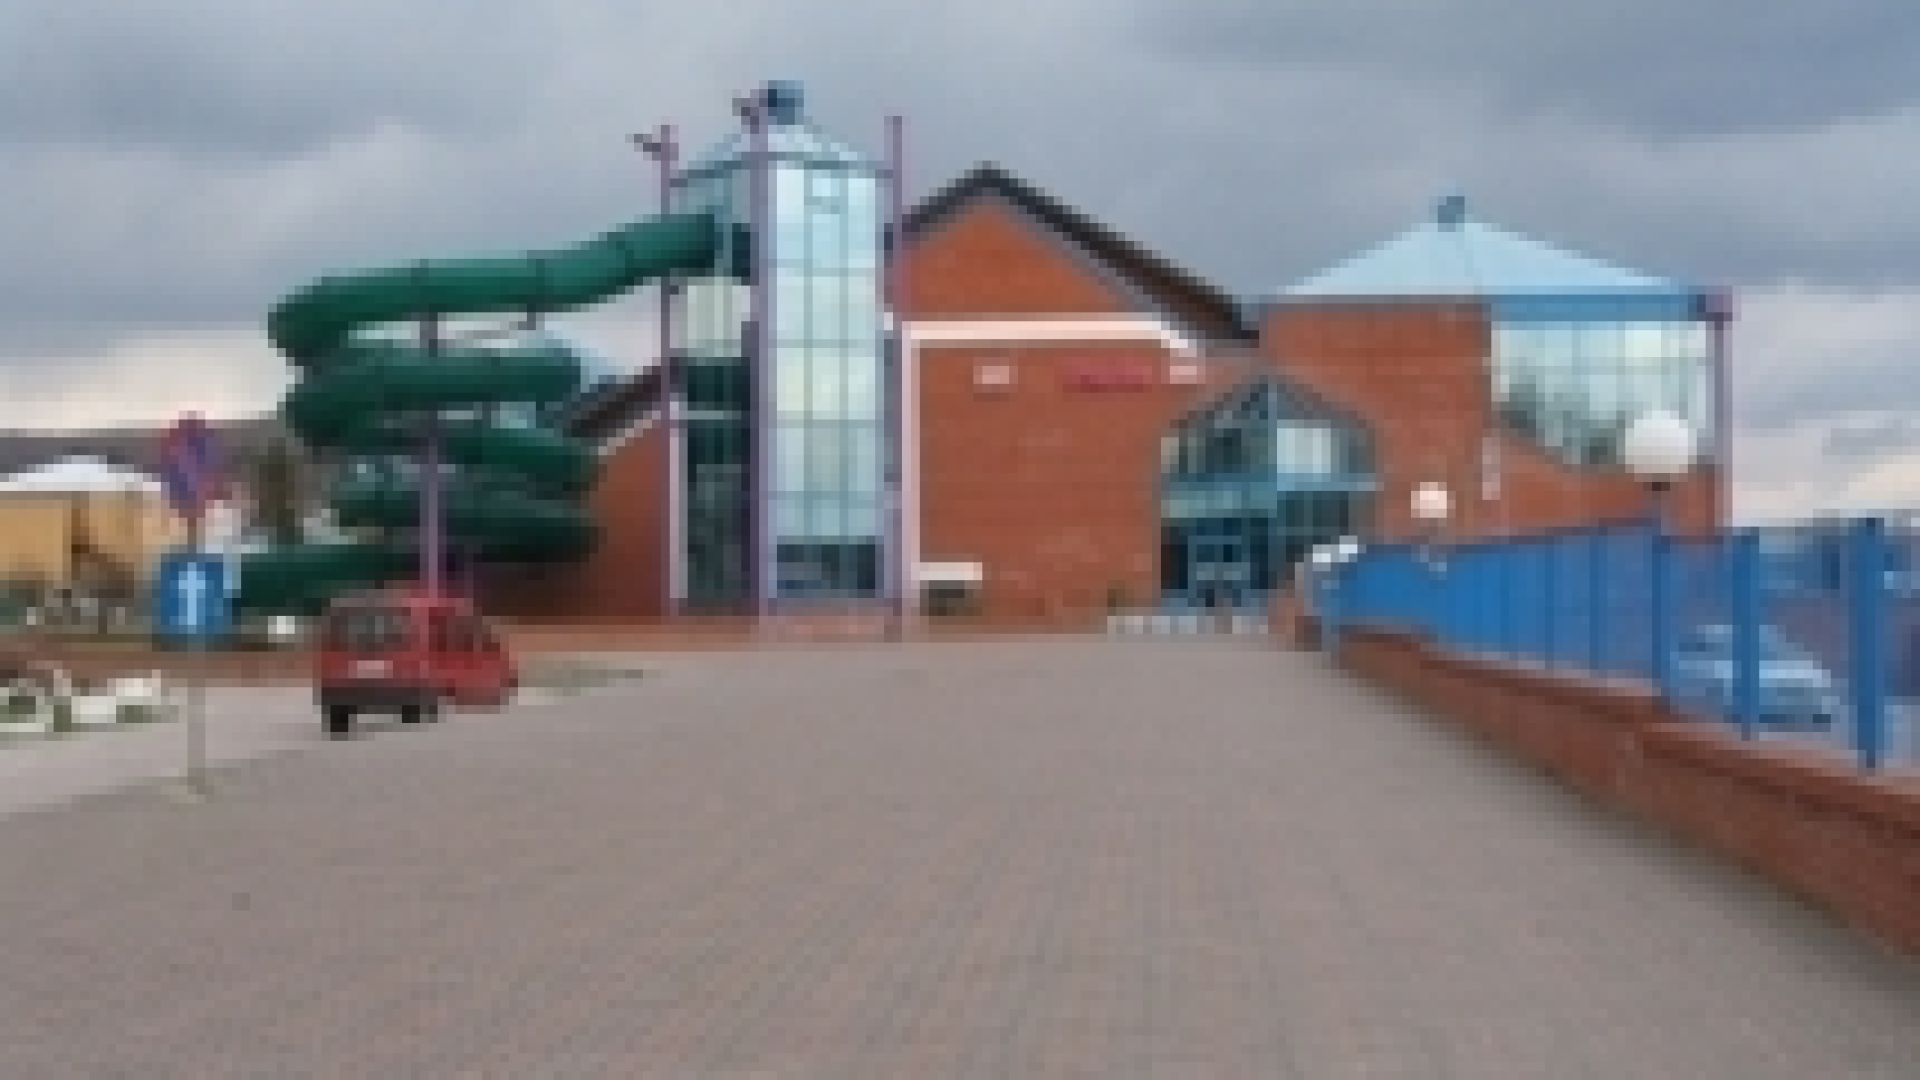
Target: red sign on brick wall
[[1109, 375]]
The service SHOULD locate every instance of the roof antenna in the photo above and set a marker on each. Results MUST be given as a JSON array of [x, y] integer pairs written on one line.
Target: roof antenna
[[1451, 211]]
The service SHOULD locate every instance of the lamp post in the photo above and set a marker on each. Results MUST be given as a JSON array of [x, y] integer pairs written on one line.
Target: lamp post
[[664, 150], [1659, 448], [1321, 564], [1430, 504]]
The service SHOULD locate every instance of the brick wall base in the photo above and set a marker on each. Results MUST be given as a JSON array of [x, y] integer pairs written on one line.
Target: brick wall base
[[1847, 841]]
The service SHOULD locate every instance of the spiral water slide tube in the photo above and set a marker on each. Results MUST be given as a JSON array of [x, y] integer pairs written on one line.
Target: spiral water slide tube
[[514, 490]]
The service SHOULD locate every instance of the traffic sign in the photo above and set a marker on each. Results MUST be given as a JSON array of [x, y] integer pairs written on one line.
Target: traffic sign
[[191, 598], [190, 466]]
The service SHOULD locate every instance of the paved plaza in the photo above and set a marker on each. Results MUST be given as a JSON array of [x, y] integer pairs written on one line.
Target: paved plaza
[[1128, 858]]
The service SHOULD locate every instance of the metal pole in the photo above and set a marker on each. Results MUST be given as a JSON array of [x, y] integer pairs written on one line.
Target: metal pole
[[760, 445], [665, 151], [1549, 610], [432, 532], [1721, 314], [1743, 566], [1662, 589], [1868, 604], [898, 578], [196, 688]]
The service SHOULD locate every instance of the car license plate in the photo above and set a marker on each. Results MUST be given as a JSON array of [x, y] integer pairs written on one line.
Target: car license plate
[[371, 669]]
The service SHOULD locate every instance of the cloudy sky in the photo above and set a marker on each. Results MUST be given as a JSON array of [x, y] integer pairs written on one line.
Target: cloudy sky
[[168, 168]]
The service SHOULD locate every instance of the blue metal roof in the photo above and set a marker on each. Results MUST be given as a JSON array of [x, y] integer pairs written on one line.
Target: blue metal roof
[[1454, 255]]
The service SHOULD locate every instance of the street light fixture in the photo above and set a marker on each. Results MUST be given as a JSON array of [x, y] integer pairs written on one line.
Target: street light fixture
[[1659, 447], [1345, 550], [1431, 504], [662, 147]]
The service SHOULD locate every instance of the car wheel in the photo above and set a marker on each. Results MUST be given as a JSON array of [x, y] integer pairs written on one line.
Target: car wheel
[[339, 721], [425, 711]]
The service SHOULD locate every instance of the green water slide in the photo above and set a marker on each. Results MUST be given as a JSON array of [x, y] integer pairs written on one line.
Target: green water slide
[[516, 484]]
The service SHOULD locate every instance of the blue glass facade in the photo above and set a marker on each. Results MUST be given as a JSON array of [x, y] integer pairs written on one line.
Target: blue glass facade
[[826, 363], [784, 451], [1573, 376], [1249, 484]]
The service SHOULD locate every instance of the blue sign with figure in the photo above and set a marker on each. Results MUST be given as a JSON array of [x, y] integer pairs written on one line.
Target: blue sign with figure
[[191, 596]]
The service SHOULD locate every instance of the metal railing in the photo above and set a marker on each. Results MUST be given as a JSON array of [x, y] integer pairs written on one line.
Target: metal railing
[[1807, 632]]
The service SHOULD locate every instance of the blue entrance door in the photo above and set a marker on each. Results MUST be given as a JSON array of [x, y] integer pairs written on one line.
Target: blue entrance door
[[1219, 570]]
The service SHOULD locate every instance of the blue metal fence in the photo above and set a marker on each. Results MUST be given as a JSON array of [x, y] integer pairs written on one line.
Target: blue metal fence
[[1807, 632]]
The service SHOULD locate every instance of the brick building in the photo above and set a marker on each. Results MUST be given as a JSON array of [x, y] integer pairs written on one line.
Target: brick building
[[1082, 425]]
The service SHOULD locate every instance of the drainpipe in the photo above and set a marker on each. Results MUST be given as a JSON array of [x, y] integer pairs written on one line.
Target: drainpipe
[[898, 578], [752, 111]]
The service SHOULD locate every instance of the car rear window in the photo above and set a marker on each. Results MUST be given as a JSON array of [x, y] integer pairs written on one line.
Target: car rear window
[[367, 630]]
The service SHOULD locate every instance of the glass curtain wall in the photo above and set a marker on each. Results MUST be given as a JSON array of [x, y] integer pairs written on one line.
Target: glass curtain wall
[[1249, 485], [711, 333], [823, 433], [827, 444], [1574, 381]]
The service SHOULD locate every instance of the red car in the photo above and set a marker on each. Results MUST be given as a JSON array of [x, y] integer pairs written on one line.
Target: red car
[[407, 653]]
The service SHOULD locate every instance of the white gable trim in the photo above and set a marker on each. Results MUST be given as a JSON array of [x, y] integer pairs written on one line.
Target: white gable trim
[[1070, 330]]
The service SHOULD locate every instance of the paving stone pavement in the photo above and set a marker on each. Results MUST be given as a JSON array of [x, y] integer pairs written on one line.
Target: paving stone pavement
[[1065, 858]]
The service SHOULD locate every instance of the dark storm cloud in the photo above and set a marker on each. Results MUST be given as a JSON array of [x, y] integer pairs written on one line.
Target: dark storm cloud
[[1684, 68], [264, 77]]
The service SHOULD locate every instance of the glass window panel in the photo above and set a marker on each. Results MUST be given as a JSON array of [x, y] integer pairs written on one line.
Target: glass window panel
[[863, 219], [827, 372], [1516, 345], [1643, 342], [825, 518], [1595, 343], [826, 300], [862, 516], [790, 458], [1695, 339], [858, 297], [826, 459], [790, 310], [789, 215], [862, 389], [790, 384], [789, 515], [863, 458]]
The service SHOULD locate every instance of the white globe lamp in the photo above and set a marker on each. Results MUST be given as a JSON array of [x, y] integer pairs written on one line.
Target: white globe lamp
[[1431, 503], [1659, 448]]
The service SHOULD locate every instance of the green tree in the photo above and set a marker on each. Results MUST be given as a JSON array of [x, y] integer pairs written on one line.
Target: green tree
[[275, 477]]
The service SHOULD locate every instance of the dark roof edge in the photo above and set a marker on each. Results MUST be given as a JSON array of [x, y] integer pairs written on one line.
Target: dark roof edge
[[1211, 311]]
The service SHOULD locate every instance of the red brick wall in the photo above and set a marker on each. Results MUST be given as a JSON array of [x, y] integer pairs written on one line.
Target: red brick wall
[[624, 574], [988, 260], [1050, 484], [1814, 825], [1418, 374]]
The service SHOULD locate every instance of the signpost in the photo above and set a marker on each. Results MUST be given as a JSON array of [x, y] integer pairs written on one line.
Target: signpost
[[191, 593]]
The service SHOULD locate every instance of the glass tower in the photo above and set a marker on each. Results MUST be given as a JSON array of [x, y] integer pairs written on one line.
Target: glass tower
[[785, 407]]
